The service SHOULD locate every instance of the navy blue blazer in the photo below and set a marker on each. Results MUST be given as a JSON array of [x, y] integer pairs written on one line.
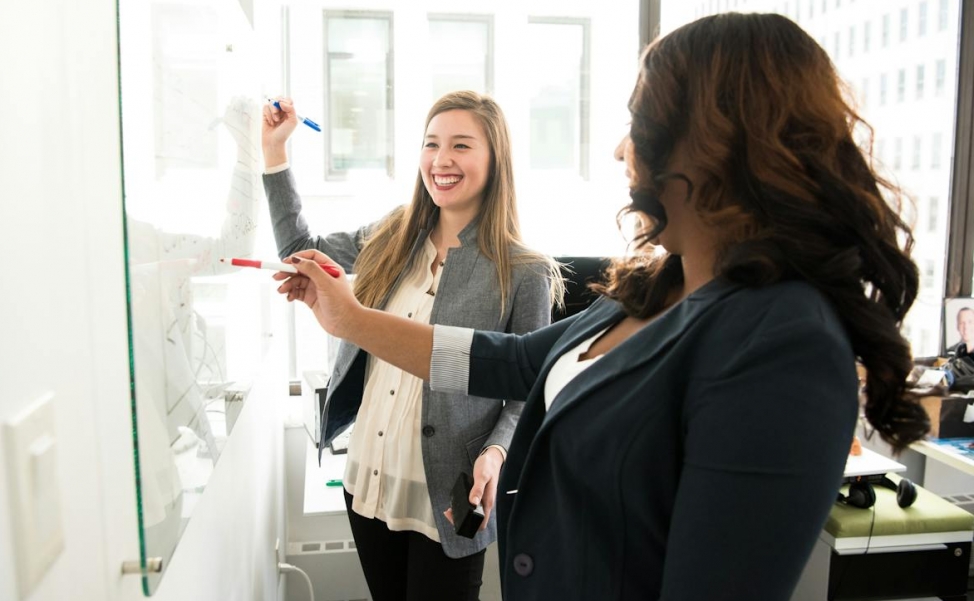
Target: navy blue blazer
[[696, 461]]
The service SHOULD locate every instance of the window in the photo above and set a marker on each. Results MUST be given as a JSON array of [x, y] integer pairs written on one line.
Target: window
[[922, 20], [927, 275], [904, 23], [881, 150], [885, 37], [942, 16], [900, 85], [935, 151], [941, 76], [933, 214], [882, 89], [835, 53], [897, 153], [463, 56], [852, 39], [864, 91], [559, 95], [358, 83], [920, 74], [916, 153], [866, 30]]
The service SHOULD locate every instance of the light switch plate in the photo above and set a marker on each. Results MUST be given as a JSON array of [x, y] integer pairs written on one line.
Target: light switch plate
[[30, 447]]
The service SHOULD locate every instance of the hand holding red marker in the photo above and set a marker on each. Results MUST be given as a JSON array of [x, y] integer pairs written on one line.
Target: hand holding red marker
[[274, 266]]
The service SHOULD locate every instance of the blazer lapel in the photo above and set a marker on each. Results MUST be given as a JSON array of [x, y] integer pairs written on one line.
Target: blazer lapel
[[641, 348]]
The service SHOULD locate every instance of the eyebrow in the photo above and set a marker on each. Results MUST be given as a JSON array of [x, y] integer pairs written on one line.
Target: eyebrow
[[456, 137]]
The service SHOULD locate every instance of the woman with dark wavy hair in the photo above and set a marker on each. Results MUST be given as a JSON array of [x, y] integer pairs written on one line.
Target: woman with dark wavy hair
[[684, 438]]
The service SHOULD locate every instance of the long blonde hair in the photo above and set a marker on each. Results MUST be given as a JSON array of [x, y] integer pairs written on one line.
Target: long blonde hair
[[386, 251]]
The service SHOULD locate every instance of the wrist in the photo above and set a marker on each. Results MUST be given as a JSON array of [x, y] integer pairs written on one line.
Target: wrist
[[497, 450], [274, 155]]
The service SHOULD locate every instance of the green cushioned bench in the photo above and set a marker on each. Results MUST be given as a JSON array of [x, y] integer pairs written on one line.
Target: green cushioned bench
[[930, 519], [891, 552]]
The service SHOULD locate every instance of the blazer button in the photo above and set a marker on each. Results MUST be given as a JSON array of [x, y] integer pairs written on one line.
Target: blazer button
[[523, 564], [428, 431]]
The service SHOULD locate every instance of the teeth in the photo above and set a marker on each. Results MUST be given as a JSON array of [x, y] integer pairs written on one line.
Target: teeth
[[446, 181]]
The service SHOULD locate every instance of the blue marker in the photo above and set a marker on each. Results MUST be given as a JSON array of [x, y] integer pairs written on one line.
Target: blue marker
[[304, 120]]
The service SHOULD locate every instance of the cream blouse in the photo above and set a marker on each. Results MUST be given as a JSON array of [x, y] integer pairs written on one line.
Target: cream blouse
[[384, 470]]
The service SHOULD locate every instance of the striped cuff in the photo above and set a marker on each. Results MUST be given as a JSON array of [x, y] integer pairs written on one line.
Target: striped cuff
[[277, 168], [450, 363]]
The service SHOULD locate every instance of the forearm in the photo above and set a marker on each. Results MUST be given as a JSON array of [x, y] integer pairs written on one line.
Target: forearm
[[274, 155], [404, 343]]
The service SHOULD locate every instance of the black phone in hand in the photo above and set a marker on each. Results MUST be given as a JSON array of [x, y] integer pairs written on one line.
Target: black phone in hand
[[466, 517]]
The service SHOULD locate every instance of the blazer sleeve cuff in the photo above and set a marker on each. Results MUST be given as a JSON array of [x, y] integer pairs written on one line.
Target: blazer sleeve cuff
[[450, 362]]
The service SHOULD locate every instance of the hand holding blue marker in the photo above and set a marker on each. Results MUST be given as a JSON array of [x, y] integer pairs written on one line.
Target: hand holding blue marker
[[304, 120]]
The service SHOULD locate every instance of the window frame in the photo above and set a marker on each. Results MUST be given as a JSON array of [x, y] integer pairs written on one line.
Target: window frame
[[333, 175], [585, 81], [487, 19]]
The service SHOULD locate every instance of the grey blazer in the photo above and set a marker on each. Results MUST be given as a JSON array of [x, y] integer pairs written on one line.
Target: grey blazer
[[456, 427]]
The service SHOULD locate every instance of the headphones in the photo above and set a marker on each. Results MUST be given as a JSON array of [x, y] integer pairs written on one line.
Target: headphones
[[861, 493]]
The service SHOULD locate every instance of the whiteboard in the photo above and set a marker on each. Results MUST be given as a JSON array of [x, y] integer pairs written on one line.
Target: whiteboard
[[191, 181]]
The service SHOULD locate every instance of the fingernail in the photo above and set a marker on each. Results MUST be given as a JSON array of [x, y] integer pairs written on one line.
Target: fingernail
[[476, 500]]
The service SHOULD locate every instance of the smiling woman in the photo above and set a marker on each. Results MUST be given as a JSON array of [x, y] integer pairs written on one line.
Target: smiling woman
[[453, 256]]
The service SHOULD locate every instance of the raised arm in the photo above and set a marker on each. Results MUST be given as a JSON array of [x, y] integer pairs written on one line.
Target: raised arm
[[399, 341]]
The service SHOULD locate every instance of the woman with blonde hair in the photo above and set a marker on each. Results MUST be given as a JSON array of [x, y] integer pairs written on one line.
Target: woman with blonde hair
[[453, 256]]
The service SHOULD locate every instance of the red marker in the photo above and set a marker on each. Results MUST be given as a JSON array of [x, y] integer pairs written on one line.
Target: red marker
[[329, 269]]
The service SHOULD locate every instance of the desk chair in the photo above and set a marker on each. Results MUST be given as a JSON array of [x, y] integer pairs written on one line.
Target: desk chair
[[578, 273]]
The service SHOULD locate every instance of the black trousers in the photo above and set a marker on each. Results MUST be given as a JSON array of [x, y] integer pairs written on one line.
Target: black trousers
[[408, 566]]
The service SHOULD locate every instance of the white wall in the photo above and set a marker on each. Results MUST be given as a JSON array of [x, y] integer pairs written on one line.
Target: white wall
[[63, 329]]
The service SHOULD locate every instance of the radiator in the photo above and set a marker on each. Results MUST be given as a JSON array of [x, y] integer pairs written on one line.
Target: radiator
[[333, 567]]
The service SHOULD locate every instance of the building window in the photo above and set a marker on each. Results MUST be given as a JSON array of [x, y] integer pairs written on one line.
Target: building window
[[463, 56], [935, 151], [559, 95], [897, 153], [941, 77], [904, 23], [927, 277], [920, 77], [901, 85], [922, 19], [933, 213], [835, 41], [885, 36], [866, 30], [881, 150], [882, 89], [359, 86], [942, 16], [852, 40], [916, 153], [864, 91]]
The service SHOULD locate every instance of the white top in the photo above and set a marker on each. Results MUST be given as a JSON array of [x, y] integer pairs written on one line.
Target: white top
[[384, 471], [567, 367]]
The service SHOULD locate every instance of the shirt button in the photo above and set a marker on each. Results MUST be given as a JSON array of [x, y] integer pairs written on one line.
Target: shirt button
[[380, 432], [428, 431], [523, 564], [410, 314], [392, 392], [375, 472]]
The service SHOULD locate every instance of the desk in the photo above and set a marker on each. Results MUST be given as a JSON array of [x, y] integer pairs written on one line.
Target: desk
[[954, 452], [870, 463]]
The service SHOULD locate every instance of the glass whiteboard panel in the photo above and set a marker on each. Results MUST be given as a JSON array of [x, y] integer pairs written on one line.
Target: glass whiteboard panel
[[198, 329]]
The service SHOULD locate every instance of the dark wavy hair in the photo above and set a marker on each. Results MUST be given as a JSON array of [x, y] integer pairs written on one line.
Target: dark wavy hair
[[760, 110]]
